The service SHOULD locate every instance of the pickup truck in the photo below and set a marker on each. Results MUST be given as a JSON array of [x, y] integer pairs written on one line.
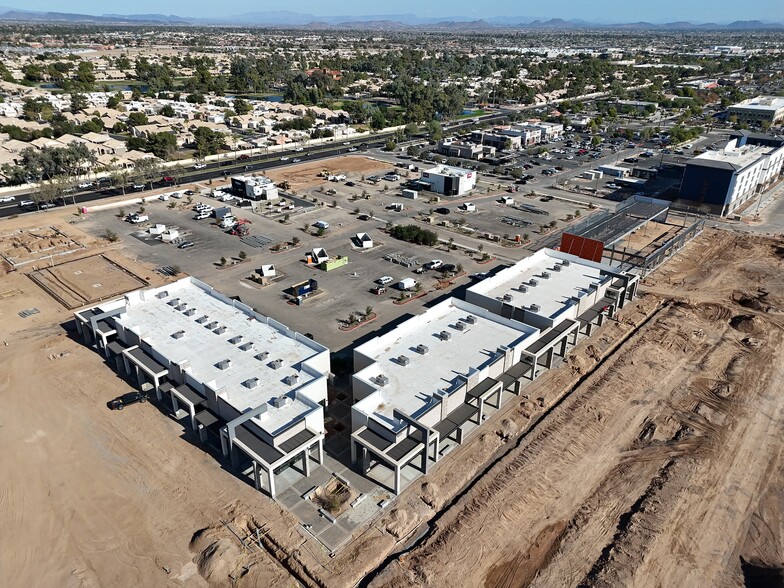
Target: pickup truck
[[138, 218]]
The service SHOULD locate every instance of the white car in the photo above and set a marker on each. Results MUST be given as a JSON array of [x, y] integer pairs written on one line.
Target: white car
[[284, 158], [384, 280], [199, 165], [7, 198], [85, 185], [138, 186], [434, 264]]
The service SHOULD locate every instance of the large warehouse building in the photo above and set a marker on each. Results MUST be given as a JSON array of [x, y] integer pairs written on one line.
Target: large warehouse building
[[724, 180], [241, 380], [448, 180]]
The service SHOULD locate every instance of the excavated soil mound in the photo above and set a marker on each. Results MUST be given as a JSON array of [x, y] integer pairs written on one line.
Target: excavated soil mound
[[746, 323], [713, 312]]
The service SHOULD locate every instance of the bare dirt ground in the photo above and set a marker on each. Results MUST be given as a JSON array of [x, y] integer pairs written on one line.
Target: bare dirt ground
[[304, 175], [651, 473], [653, 458]]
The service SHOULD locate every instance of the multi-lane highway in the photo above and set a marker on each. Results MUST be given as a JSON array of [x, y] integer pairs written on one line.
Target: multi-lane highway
[[249, 163]]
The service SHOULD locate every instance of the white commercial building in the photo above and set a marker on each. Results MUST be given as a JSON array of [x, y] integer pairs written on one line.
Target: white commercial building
[[237, 378], [448, 180], [254, 187], [418, 387], [762, 109]]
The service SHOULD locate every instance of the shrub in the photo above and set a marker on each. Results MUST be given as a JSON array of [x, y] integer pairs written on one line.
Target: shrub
[[110, 236], [243, 255], [414, 234]]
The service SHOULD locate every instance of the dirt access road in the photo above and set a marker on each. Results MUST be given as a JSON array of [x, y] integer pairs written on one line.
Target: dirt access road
[[651, 472]]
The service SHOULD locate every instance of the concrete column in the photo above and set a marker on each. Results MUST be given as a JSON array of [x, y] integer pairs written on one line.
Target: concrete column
[[365, 459], [256, 475], [481, 410], [175, 402], [564, 341], [306, 463], [126, 365], [157, 384], [548, 361], [436, 448], [271, 482], [397, 479], [424, 460], [353, 451], [321, 451], [224, 444]]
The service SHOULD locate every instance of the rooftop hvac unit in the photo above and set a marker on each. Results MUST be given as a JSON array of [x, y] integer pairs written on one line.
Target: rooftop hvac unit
[[566, 263], [190, 312], [291, 380], [523, 288], [276, 364], [220, 330], [181, 307], [211, 325], [262, 356], [236, 339], [556, 268], [178, 335], [173, 302], [422, 349], [445, 335], [281, 401], [382, 380], [251, 383], [247, 346], [202, 319], [470, 319], [403, 360], [223, 364], [533, 282], [162, 294], [460, 326], [507, 298], [535, 308], [546, 275]]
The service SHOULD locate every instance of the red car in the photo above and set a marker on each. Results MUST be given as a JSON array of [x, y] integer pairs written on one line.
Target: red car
[[168, 179], [244, 156]]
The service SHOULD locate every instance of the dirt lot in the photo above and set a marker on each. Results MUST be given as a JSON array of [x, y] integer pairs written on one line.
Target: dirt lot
[[653, 457], [304, 175]]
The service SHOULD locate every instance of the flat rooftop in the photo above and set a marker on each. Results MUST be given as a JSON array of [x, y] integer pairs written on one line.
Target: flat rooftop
[[551, 294], [762, 103], [448, 170], [216, 331], [735, 157], [411, 387]]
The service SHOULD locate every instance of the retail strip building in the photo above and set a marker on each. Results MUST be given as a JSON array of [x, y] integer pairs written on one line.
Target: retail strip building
[[236, 377]]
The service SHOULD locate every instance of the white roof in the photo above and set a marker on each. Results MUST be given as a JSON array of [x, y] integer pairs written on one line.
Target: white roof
[[155, 320], [412, 386], [448, 170], [551, 294]]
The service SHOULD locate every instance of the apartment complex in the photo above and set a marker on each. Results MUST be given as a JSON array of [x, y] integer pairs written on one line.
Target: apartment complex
[[724, 180], [240, 380]]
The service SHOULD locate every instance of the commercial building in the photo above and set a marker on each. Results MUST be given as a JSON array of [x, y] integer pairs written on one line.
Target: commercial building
[[498, 140], [241, 380], [420, 387], [448, 180], [452, 148], [254, 187], [759, 110], [615, 171], [724, 180], [555, 292]]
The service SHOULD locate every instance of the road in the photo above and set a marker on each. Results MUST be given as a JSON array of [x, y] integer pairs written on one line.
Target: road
[[253, 163]]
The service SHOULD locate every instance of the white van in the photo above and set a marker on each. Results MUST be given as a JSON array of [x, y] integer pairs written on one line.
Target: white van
[[202, 215], [321, 225]]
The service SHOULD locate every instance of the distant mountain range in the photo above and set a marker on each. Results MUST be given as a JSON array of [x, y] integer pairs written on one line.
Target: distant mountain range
[[286, 18]]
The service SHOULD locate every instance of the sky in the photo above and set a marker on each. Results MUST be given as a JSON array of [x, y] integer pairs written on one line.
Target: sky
[[721, 11]]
